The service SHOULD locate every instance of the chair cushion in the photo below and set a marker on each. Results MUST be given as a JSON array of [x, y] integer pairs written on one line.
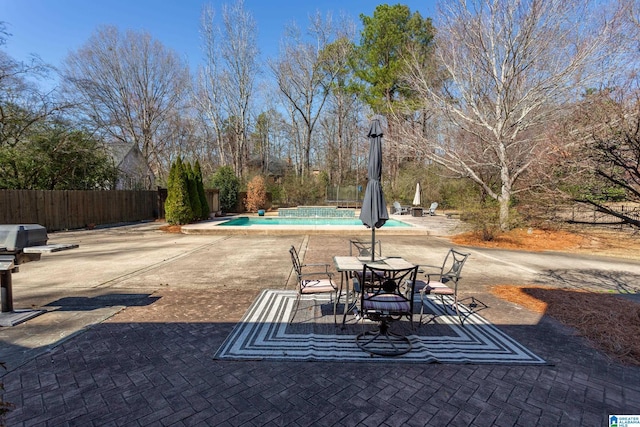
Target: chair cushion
[[437, 288], [420, 284], [386, 303], [317, 286]]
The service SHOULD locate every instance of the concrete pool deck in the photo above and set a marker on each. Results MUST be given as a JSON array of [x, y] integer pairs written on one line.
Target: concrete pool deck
[[437, 225]]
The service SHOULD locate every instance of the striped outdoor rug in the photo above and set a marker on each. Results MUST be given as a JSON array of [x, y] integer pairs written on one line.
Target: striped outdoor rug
[[264, 333]]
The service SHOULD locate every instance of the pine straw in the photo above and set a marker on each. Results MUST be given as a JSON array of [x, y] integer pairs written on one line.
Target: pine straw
[[529, 239], [611, 323], [171, 228]]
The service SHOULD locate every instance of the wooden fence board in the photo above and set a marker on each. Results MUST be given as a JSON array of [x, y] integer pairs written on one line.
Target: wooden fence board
[[61, 209]]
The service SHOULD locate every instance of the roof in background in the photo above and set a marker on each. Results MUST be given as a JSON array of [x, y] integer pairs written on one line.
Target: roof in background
[[119, 150]]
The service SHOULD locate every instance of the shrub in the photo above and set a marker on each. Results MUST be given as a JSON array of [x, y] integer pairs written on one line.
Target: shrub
[[204, 205], [177, 206], [228, 185], [194, 198], [484, 220], [300, 190], [276, 191], [256, 194]]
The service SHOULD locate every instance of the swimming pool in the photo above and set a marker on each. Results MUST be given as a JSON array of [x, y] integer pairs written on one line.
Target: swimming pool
[[276, 225], [245, 221]]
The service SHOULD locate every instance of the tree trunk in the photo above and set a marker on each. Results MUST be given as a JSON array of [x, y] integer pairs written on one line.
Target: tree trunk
[[504, 199]]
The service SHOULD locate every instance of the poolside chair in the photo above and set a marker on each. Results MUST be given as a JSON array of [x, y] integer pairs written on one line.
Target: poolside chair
[[399, 209], [385, 299], [444, 282], [432, 208], [311, 282]]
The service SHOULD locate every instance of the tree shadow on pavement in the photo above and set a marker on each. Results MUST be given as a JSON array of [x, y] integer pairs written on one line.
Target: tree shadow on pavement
[[108, 300]]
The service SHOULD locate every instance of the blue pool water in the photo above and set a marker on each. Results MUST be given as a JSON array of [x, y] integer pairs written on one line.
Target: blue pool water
[[245, 221]]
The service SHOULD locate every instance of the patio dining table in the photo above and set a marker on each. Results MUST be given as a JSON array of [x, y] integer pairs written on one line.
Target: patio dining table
[[347, 265]]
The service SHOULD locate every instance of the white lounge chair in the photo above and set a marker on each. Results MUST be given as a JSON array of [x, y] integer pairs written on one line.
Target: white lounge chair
[[398, 209], [432, 208]]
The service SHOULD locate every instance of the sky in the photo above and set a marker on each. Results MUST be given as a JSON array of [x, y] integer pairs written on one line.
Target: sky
[[53, 28]]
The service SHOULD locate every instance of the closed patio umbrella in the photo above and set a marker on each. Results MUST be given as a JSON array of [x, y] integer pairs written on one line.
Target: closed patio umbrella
[[416, 198], [374, 209]]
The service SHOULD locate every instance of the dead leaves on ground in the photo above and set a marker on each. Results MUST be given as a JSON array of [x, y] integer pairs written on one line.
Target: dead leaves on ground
[[610, 322]]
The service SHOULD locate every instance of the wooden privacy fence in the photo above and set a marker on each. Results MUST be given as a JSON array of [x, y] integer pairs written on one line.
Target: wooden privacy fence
[[72, 209]]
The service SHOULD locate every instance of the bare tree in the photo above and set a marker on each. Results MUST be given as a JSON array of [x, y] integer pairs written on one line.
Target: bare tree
[[240, 51], [27, 116], [603, 166], [23, 106], [608, 151], [303, 81], [208, 93], [268, 144], [509, 67], [339, 125], [227, 81], [129, 86]]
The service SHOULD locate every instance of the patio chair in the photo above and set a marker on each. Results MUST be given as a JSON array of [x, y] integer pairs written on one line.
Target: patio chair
[[432, 208], [362, 248], [444, 282], [385, 299], [399, 209], [310, 282]]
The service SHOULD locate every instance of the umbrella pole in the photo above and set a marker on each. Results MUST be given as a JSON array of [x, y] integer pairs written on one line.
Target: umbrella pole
[[373, 244]]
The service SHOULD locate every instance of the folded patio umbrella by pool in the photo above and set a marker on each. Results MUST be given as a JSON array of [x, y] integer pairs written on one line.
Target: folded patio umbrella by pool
[[374, 209], [416, 198]]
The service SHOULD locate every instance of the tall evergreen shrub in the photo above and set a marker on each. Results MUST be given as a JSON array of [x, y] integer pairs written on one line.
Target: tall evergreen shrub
[[170, 200], [177, 206], [194, 198], [204, 205]]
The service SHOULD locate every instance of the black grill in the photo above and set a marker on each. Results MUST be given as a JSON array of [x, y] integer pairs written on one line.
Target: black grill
[[20, 243], [14, 238]]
